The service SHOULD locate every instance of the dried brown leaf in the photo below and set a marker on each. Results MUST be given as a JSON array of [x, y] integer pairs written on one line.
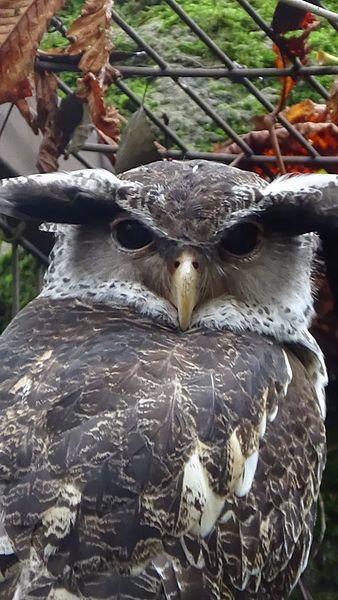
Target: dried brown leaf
[[289, 18], [332, 104], [23, 22], [92, 39], [325, 58], [288, 82], [305, 111], [296, 46], [105, 118], [137, 145], [322, 136]]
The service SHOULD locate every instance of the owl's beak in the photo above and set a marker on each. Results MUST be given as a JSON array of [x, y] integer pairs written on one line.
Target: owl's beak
[[185, 286]]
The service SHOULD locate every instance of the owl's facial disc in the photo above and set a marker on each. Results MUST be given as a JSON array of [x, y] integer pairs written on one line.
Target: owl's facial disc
[[239, 242], [185, 285], [185, 273]]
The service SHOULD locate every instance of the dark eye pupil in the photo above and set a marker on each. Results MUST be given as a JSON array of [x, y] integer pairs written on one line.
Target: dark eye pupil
[[242, 239], [132, 235]]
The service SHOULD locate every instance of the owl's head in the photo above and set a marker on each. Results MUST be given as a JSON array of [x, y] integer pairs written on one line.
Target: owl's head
[[192, 243]]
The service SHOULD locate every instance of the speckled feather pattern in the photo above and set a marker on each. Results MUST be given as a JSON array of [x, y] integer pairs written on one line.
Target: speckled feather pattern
[[101, 411], [191, 200]]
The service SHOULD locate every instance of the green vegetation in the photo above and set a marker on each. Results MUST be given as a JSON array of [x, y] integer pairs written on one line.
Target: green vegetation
[[237, 35], [234, 32], [28, 274]]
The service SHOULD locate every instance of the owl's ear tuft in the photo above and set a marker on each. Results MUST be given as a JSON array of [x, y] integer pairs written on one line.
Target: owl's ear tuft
[[78, 197], [301, 203]]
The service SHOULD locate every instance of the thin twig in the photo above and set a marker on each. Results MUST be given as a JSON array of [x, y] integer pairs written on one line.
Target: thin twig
[[15, 279], [306, 595], [331, 449], [322, 525], [270, 121], [237, 160], [6, 119], [317, 10]]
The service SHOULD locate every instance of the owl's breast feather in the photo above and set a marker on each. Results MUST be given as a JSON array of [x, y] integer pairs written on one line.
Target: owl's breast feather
[[134, 436]]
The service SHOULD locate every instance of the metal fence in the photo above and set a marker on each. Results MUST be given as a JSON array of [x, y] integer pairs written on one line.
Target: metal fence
[[157, 67]]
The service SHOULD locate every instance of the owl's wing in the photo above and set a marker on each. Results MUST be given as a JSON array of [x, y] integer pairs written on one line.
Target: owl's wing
[[124, 445]]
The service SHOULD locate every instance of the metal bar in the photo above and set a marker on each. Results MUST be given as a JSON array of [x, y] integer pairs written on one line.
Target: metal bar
[[15, 278], [279, 41], [82, 160], [55, 67], [317, 10], [259, 158], [64, 87], [57, 25], [246, 82], [214, 72], [205, 106], [134, 35], [10, 232], [255, 158], [4, 123]]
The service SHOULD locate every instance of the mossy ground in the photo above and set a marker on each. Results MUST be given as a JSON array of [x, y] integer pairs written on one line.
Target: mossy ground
[[235, 33]]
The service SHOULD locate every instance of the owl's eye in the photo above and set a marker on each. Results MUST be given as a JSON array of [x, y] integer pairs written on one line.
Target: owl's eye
[[132, 235], [241, 240]]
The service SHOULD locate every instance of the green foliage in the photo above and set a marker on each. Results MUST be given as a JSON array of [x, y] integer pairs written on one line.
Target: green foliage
[[237, 35], [234, 32], [55, 39], [28, 270]]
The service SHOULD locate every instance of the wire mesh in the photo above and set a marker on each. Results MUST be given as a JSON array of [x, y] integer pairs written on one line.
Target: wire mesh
[[227, 69]]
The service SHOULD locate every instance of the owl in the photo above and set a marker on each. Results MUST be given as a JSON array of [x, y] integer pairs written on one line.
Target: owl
[[162, 400]]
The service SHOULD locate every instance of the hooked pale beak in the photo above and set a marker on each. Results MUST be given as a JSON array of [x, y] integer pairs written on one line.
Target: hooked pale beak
[[186, 286]]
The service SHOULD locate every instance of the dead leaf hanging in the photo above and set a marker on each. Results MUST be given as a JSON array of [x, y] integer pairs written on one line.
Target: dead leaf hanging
[[287, 18], [306, 111], [105, 118], [137, 145], [23, 23], [332, 104], [322, 136], [47, 105]]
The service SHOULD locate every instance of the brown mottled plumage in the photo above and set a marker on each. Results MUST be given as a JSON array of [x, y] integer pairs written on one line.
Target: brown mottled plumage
[[139, 461], [117, 420]]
